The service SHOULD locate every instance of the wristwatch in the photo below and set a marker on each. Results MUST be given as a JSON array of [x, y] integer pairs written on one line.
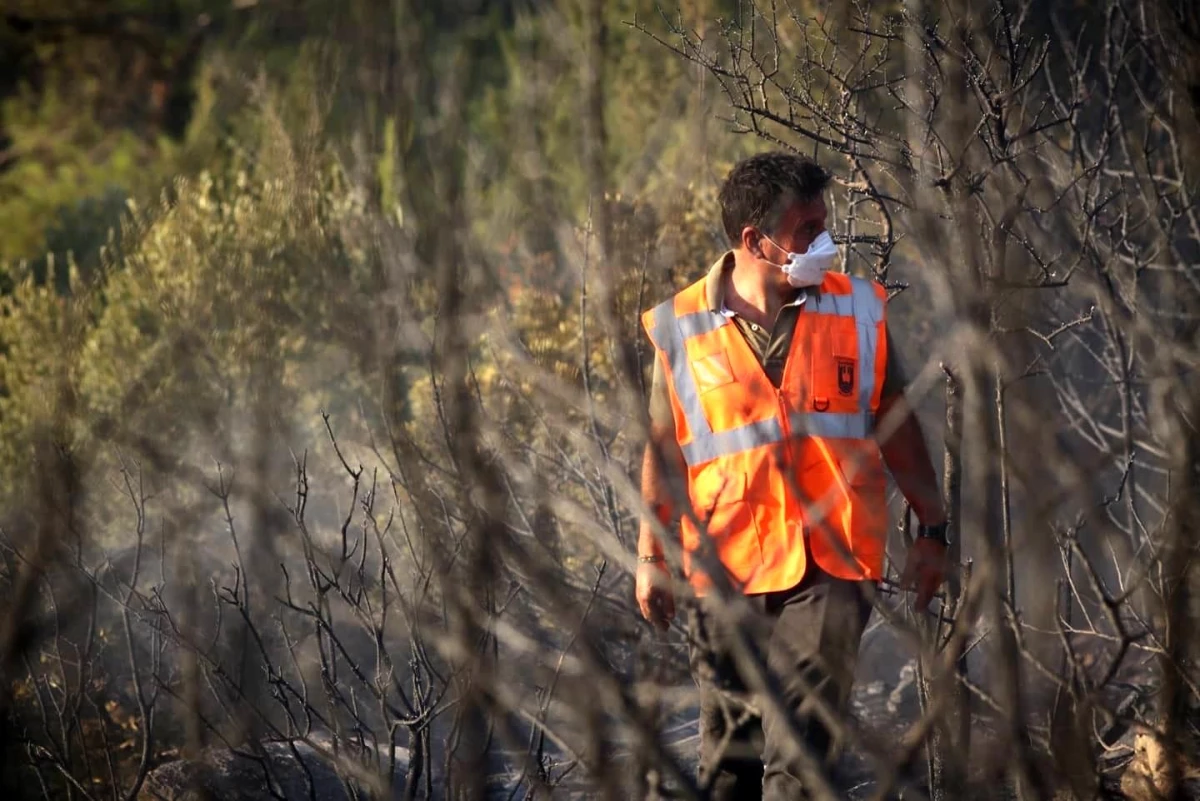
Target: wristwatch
[[939, 532]]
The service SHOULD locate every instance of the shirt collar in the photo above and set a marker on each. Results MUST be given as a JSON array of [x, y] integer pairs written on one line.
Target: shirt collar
[[715, 287]]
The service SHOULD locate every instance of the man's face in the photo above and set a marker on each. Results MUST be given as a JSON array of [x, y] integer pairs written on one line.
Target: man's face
[[800, 223]]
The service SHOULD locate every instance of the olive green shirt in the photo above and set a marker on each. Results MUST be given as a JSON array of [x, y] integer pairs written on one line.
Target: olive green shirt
[[769, 346]]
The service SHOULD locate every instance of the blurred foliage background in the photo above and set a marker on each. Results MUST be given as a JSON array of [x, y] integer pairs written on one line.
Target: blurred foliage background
[[196, 193]]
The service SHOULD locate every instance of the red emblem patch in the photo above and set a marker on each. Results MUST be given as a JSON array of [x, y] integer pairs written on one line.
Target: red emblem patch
[[845, 376]]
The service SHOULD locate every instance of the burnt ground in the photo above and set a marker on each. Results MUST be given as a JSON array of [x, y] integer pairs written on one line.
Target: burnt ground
[[884, 704]]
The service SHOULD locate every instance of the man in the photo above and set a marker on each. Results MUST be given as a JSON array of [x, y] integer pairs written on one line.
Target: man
[[772, 375]]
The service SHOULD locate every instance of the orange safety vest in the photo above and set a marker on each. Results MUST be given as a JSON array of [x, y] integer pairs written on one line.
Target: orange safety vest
[[767, 467]]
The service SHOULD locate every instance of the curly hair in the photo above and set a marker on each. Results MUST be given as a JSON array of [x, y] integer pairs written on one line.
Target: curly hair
[[759, 188]]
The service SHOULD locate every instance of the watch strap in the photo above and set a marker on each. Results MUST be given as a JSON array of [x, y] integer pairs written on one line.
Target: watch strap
[[939, 532]]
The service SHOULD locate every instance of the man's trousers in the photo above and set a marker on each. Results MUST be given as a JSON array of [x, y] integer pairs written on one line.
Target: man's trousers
[[809, 636]]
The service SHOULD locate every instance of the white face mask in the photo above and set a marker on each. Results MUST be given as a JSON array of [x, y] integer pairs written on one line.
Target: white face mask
[[809, 268]]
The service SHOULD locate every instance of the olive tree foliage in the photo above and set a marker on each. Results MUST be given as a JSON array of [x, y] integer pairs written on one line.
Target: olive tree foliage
[[1022, 176], [148, 407]]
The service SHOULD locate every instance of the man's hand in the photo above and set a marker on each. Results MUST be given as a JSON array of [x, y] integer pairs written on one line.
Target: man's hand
[[924, 569], [654, 595]]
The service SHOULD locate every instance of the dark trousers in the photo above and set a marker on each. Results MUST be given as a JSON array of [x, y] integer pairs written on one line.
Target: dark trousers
[[809, 636]]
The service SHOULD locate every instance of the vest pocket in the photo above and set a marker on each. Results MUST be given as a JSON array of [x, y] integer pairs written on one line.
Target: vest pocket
[[726, 515], [862, 470], [711, 370], [848, 512], [835, 369]]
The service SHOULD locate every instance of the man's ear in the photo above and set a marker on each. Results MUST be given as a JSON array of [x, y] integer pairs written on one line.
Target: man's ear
[[752, 242]]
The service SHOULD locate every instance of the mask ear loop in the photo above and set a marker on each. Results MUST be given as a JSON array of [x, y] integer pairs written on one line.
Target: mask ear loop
[[776, 244]]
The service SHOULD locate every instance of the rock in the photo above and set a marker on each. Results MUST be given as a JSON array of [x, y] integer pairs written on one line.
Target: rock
[[1147, 776]]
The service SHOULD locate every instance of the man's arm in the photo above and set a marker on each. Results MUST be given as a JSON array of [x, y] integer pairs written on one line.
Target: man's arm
[[661, 468], [902, 444], [662, 464]]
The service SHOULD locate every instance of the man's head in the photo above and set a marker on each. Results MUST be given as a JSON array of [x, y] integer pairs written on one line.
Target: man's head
[[772, 204]]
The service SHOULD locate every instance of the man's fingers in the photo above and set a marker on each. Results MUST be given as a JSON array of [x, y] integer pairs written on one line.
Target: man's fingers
[[931, 578], [645, 603], [654, 597], [925, 592]]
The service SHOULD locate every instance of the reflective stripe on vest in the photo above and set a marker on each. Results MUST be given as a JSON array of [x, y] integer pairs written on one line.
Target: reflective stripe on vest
[[671, 332], [669, 337]]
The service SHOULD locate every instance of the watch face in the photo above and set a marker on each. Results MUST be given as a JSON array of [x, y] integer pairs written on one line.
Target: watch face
[[939, 532]]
